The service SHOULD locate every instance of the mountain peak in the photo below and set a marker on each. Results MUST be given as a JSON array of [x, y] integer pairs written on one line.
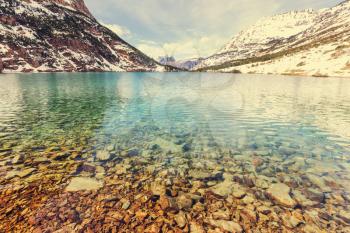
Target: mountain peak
[[269, 29], [77, 5]]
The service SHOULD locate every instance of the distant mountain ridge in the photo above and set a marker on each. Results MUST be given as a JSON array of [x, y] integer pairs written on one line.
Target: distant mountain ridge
[[186, 64], [309, 42], [62, 35]]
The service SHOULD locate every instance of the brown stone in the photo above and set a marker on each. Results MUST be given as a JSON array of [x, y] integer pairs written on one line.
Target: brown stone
[[196, 228], [184, 202], [164, 202], [180, 219], [141, 215]]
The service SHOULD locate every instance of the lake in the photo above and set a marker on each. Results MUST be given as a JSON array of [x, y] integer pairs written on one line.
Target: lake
[[180, 152]]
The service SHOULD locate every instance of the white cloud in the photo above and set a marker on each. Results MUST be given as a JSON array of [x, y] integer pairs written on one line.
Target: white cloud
[[186, 28], [207, 16], [185, 48], [117, 29]]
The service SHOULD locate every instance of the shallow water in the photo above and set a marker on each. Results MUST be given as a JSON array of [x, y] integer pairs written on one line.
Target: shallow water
[[209, 131]]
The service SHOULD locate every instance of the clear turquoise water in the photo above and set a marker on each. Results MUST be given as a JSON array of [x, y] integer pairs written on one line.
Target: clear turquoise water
[[217, 110], [253, 130]]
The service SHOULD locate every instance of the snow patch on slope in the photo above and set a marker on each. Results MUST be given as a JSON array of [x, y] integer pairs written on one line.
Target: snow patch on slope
[[326, 60], [273, 28]]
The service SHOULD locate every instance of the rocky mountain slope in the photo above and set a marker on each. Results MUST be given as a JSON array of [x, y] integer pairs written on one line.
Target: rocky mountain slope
[[62, 35], [309, 42]]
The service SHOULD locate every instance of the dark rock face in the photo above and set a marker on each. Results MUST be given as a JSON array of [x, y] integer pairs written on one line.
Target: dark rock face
[[62, 35], [1, 66]]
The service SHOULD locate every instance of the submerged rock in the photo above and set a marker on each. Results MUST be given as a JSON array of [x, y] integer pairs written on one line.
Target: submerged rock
[[41, 161], [157, 188], [83, 183], [280, 194], [221, 215], [248, 200], [223, 189], [126, 205], [264, 210], [89, 168], [314, 195], [344, 215], [166, 145], [249, 215], [205, 175], [318, 182], [302, 200], [196, 228], [180, 219], [18, 159], [229, 226], [187, 147], [26, 172], [60, 156], [184, 202], [104, 155], [133, 152], [291, 221]]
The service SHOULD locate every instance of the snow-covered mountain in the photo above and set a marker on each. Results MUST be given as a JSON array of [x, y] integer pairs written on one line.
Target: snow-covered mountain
[[186, 64], [62, 35], [305, 42], [166, 60]]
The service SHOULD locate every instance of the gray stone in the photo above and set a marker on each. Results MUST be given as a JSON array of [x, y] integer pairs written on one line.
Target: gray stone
[[103, 155], [167, 145], [86, 167], [133, 152], [280, 194], [83, 183], [286, 151], [110, 147], [186, 147]]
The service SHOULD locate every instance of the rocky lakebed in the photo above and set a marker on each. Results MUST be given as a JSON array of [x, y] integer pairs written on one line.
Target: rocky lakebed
[[168, 187]]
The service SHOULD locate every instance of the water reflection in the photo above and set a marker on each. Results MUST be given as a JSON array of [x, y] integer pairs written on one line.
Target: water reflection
[[224, 107]]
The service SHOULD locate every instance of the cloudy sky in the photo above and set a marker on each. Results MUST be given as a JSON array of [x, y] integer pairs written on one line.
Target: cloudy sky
[[188, 28]]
